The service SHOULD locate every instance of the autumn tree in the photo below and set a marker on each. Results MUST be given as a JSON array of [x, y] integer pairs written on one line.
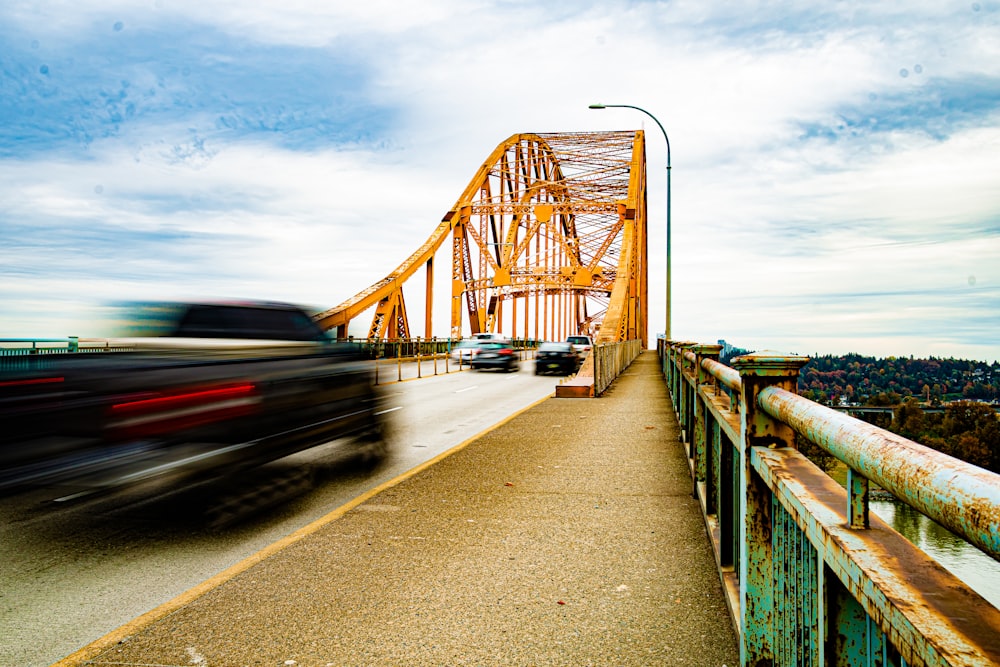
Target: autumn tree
[[908, 420]]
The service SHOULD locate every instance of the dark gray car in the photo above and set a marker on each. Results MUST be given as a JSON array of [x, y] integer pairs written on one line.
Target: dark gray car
[[558, 358], [495, 355]]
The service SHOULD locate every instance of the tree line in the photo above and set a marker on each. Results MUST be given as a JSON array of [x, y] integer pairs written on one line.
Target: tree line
[[963, 425], [854, 379]]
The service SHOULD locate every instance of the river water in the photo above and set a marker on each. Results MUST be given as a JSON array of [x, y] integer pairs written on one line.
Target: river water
[[965, 561]]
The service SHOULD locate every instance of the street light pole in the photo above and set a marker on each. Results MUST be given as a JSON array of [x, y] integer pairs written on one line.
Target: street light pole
[[667, 139]]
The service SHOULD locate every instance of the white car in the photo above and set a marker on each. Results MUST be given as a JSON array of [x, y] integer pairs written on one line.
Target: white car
[[491, 337], [464, 350], [581, 344]]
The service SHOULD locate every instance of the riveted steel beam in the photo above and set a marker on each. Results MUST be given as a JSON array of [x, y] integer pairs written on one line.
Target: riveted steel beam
[[554, 223]]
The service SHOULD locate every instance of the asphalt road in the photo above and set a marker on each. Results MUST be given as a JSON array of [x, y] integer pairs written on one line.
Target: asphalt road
[[75, 568]]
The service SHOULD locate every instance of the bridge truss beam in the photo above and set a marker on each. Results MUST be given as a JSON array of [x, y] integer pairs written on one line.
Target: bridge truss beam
[[548, 240]]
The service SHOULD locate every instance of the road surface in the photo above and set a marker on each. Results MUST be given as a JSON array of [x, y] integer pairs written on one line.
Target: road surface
[[76, 567]]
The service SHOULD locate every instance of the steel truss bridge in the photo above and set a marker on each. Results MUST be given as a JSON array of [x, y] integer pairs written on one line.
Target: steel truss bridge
[[548, 240]]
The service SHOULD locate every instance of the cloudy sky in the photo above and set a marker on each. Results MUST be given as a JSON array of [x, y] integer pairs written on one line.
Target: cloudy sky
[[836, 165]]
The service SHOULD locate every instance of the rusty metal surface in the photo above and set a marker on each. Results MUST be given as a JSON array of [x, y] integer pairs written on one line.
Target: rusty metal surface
[[800, 538], [930, 616], [720, 407], [962, 497], [798, 634], [724, 374], [756, 568]]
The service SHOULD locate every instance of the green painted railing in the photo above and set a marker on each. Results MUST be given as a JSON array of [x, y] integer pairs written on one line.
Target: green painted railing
[[394, 359], [16, 347], [812, 577]]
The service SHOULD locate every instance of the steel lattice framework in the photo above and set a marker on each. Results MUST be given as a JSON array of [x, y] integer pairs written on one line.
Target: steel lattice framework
[[548, 240]]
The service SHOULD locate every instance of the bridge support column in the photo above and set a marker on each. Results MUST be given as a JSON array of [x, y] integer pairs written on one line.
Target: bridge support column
[[757, 429]]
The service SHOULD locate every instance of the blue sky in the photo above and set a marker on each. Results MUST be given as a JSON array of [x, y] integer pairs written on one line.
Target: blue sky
[[835, 181]]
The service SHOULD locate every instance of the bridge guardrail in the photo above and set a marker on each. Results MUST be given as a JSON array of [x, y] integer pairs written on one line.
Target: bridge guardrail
[[599, 369], [382, 352], [13, 351], [420, 350], [812, 577], [13, 347], [410, 348], [610, 359]]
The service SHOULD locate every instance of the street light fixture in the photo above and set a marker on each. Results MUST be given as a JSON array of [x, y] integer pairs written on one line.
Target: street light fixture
[[667, 139]]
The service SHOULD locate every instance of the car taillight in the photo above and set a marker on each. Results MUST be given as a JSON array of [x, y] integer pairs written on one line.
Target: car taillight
[[149, 414], [505, 352], [32, 381]]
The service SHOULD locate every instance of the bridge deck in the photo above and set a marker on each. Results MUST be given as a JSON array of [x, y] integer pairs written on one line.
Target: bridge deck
[[566, 536]]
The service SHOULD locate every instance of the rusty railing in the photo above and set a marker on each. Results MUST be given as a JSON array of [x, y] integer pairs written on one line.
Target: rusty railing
[[812, 578]]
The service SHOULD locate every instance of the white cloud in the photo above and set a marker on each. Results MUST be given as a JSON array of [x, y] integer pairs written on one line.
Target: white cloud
[[806, 166]]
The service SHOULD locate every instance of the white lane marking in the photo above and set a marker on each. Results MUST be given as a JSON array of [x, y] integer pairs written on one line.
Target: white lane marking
[[459, 391], [382, 412], [74, 496]]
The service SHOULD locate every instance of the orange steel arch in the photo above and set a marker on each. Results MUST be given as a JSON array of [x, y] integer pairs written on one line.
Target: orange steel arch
[[548, 240]]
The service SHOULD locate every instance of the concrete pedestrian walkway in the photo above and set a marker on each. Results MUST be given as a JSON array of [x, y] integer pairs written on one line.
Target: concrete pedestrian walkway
[[565, 536]]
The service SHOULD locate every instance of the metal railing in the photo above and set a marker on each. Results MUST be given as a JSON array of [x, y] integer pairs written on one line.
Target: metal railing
[[610, 359], [394, 360], [411, 348], [16, 353], [812, 577], [408, 358], [13, 347]]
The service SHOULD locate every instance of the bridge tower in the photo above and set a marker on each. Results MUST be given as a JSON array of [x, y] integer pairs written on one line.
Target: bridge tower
[[548, 240]]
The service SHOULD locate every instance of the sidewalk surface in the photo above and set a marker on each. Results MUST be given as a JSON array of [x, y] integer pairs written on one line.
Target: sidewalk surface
[[566, 536]]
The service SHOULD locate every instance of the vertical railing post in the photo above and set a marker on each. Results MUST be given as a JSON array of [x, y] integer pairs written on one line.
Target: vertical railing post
[[688, 388], [663, 350], [419, 375], [682, 396], [399, 360], [672, 378], [857, 500], [727, 504], [758, 429], [686, 413], [678, 381], [701, 446], [668, 372]]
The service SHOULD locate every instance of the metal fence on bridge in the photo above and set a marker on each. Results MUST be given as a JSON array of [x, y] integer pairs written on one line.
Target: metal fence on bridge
[[610, 359], [427, 356], [812, 578], [13, 347]]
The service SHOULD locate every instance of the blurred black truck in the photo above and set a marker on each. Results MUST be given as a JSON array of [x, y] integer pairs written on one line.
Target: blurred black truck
[[207, 389]]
